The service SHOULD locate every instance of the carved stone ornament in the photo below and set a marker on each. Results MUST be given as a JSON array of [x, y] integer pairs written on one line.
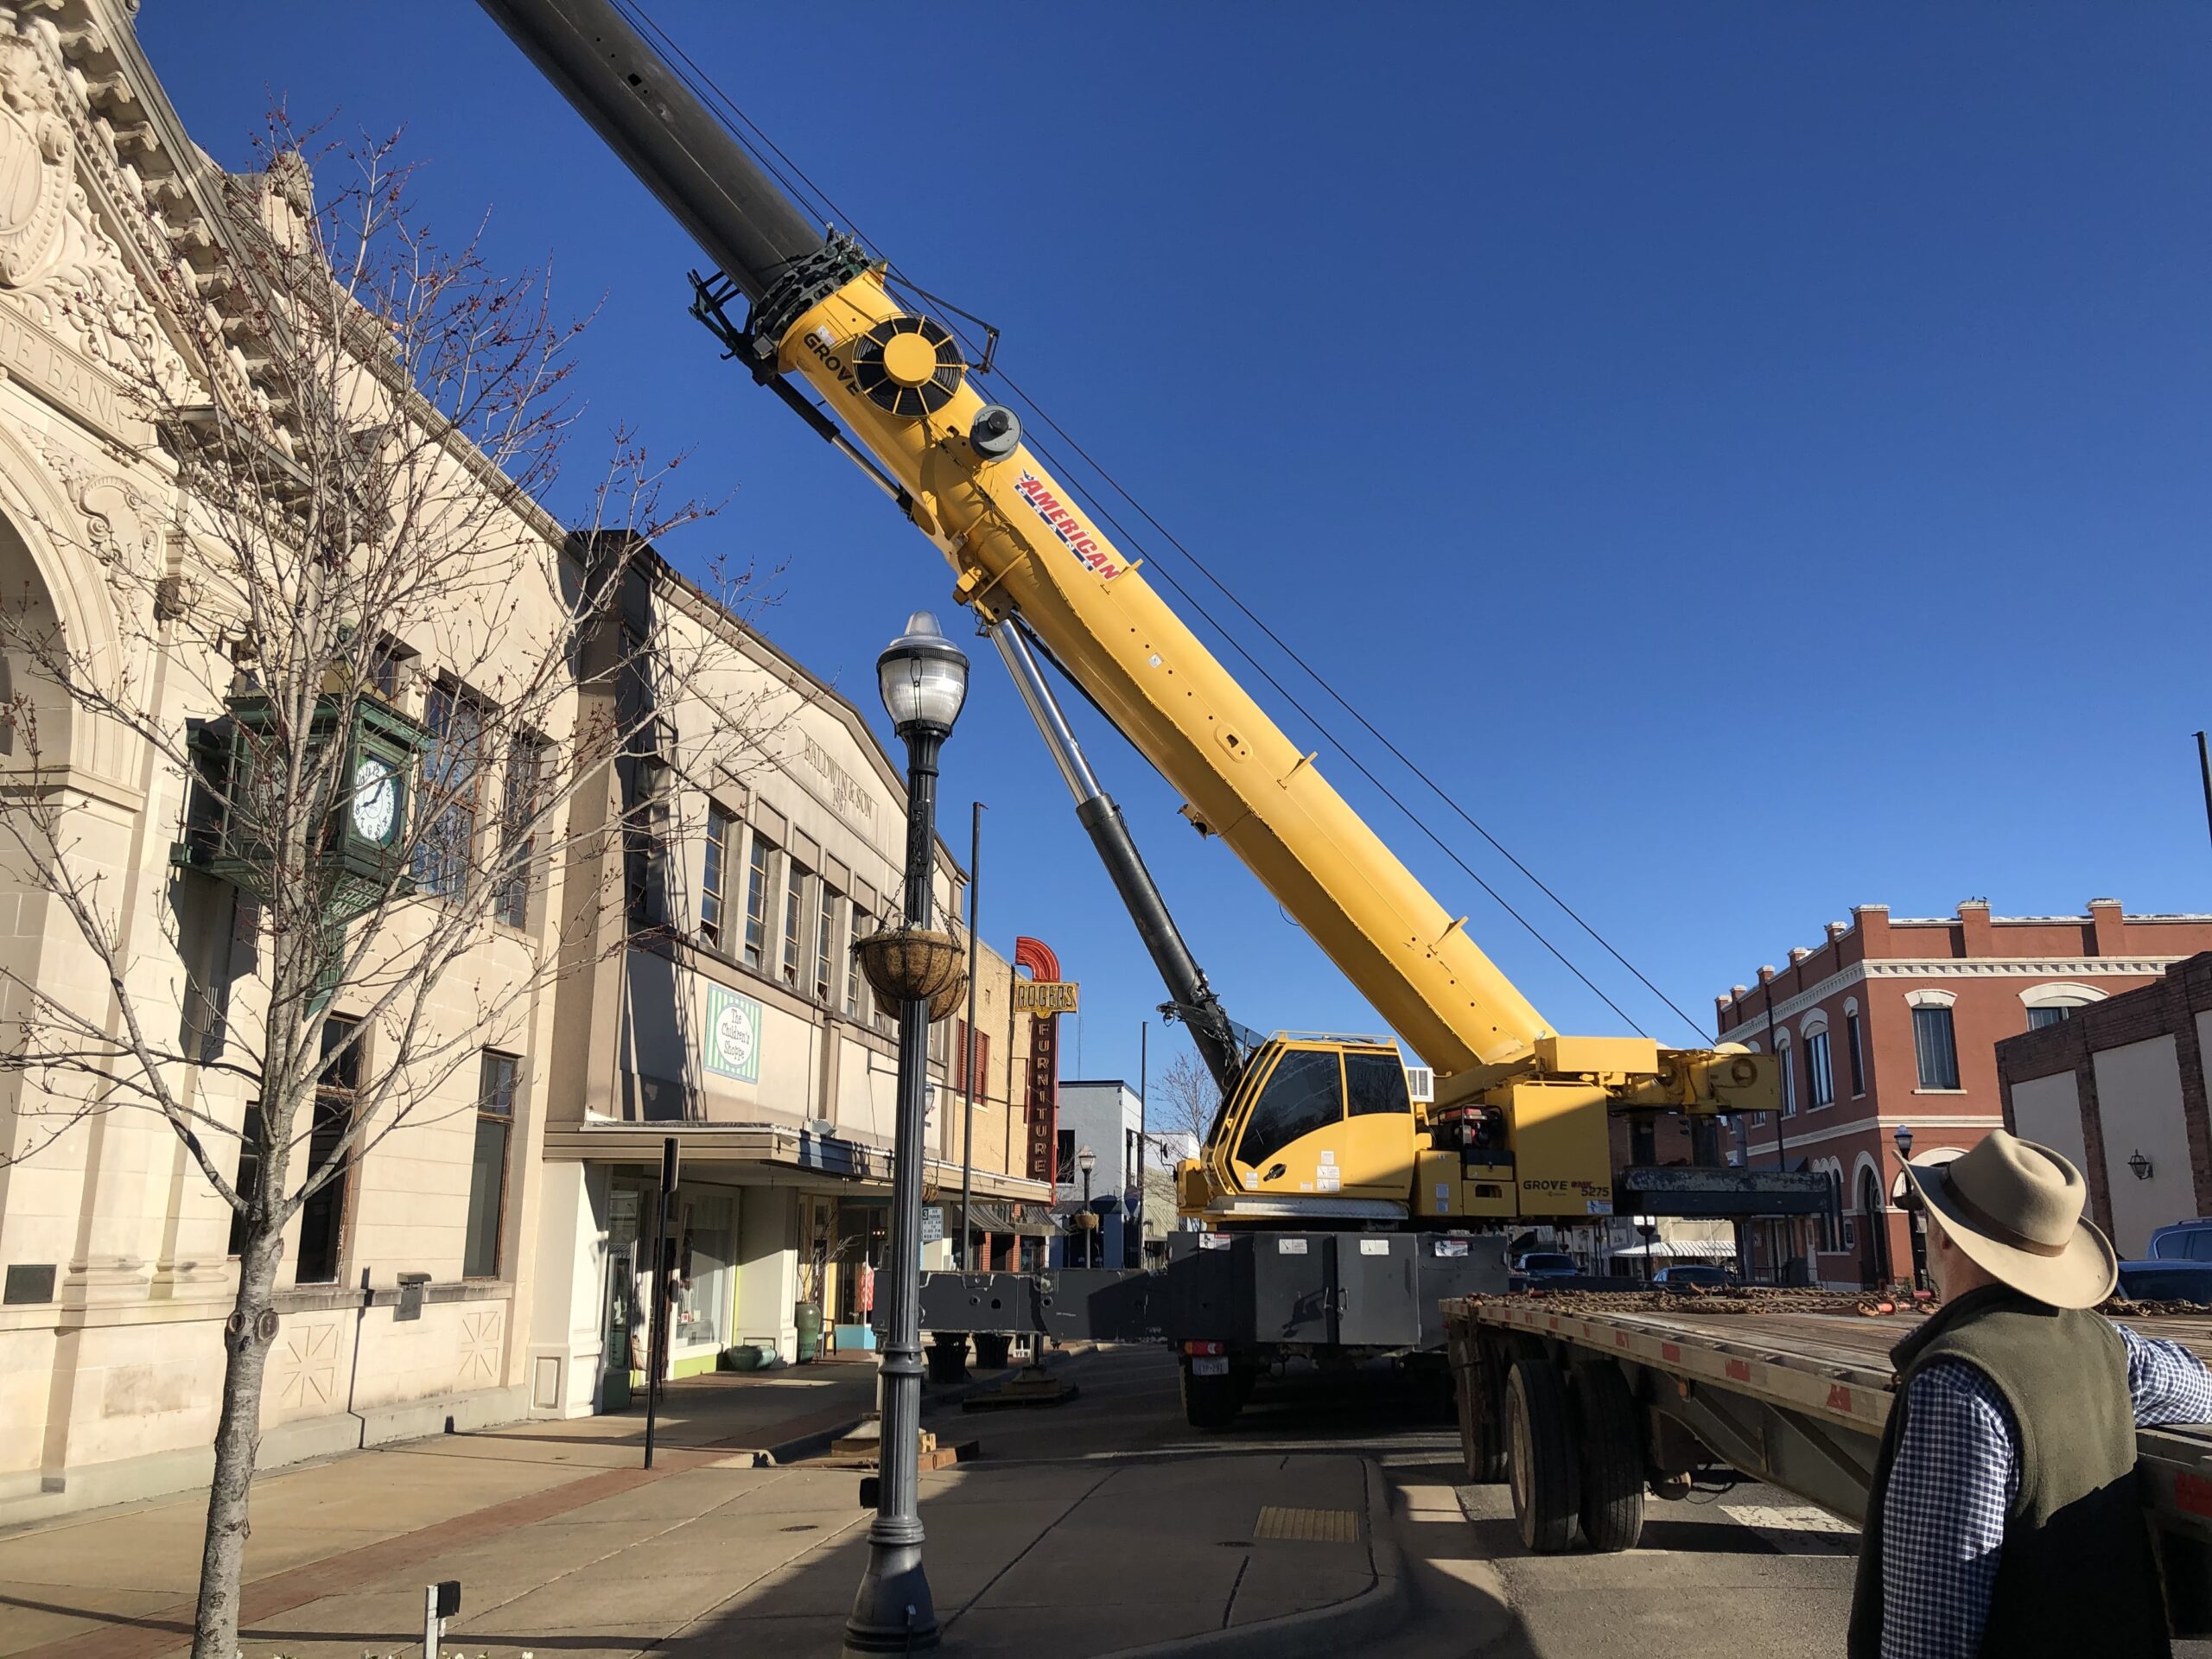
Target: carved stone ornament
[[34, 166], [57, 261], [121, 521]]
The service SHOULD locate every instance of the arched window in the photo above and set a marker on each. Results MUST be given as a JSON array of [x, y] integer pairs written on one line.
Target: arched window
[[1876, 1267], [1854, 1046], [1934, 1044], [1783, 1064], [2048, 1004], [1819, 1075]]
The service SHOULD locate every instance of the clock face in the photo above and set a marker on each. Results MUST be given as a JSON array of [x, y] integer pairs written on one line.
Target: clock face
[[376, 800]]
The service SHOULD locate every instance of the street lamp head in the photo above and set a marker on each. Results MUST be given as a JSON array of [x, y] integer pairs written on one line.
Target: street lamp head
[[923, 677], [1904, 1138], [1086, 1161]]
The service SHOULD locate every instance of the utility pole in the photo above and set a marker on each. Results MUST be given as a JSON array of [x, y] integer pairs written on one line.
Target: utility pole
[[656, 1331], [968, 1060], [1781, 1075], [2204, 768], [1144, 1124]]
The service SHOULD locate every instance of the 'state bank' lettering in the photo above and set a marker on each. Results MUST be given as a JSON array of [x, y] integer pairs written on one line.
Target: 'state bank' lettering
[[58, 374]]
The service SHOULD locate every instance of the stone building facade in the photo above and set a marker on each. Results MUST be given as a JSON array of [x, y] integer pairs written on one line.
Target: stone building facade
[[120, 1264], [452, 1277], [736, 1018], [1895, 1022]]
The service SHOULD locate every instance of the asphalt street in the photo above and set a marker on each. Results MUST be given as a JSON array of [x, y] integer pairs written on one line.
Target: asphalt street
[[1747, 1571]]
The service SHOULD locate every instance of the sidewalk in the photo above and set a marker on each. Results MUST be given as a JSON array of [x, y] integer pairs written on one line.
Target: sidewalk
[[565, 1546]]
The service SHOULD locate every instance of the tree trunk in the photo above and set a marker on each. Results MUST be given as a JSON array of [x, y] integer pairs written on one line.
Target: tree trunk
[[246, 1337]]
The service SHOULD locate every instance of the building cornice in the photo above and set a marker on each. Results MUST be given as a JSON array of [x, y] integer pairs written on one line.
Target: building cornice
[[2137, 967]]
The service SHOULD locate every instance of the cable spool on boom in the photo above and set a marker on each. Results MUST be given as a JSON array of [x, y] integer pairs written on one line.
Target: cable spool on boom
[[909, 365]]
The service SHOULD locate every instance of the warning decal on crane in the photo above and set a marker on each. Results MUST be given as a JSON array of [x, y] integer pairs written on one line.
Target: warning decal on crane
[[1064, 523]]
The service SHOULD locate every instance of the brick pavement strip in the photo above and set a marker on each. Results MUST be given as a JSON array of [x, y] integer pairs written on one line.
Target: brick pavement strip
[[147, 1636]]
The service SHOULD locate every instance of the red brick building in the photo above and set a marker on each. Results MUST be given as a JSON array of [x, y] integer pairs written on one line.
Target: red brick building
[[1895, 1022]]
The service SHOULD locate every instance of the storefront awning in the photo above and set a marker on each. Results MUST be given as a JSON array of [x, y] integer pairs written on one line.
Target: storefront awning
[[1678, 1249], [1031, 1221], [773, 1155]]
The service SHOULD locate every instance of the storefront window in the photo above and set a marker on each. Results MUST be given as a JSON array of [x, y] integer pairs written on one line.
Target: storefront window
[[863, 1243], [703, 1288]]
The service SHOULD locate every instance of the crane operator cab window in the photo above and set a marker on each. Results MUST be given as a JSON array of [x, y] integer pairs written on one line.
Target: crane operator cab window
[[1305, 1092], [1330, 1122]]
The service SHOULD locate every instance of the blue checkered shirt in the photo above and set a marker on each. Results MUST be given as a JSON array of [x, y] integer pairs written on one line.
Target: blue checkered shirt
[[1955, 1475]]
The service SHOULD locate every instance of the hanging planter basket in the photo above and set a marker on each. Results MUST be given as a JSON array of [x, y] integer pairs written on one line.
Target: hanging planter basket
[[915, 965]]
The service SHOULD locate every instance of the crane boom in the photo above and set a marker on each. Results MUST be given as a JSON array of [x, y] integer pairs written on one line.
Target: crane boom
[[823, 311], [1017, 541]]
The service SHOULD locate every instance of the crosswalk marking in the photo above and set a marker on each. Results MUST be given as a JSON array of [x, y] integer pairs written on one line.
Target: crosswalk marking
[[1795, 1529]]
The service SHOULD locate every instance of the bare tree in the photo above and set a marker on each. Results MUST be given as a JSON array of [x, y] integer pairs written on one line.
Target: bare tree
[[402, 710], [1182, 1107]]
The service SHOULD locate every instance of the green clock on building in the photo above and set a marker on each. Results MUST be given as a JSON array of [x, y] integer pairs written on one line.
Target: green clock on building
[[360, 854]]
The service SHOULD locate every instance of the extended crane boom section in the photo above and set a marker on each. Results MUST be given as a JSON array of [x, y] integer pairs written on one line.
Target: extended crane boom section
[[1533, 1104], [1191, 1000]]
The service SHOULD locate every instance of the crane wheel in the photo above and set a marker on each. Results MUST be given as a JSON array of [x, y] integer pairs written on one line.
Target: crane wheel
[[1612, 1457], [1542, 1465], [1209, 1403]]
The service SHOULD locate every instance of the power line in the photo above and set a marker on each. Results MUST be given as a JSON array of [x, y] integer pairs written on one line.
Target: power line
[[812, 196], [1284, 692], [1322, 681]]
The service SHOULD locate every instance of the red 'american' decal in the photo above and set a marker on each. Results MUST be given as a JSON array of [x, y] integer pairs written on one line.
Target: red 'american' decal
[[1064, 523]]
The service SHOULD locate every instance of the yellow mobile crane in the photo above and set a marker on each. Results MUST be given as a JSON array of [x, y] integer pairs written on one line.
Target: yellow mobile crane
[[1322, 1131]]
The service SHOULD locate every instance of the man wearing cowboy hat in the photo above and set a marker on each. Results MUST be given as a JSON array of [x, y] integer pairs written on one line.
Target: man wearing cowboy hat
[[2003, 1518]]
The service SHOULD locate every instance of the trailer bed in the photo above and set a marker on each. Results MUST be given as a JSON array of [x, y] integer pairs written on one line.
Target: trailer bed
[[1780, 1387], [1832, 1365]]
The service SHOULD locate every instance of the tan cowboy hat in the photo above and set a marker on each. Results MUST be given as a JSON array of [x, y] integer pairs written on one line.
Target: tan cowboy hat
[[2014, 1209]]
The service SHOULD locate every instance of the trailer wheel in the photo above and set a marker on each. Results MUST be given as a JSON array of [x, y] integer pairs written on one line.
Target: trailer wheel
[[1543, 1468], [1482, 1416], [1209, 1403], [1612, 1457]]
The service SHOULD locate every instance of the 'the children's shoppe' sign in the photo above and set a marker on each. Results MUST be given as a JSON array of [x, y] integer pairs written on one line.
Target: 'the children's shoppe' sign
[[733, 1036]]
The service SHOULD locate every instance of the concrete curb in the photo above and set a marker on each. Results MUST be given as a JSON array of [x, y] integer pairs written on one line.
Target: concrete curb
[[1374, 1611]]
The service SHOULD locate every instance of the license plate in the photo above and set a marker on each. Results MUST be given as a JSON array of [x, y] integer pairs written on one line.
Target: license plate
[[1201, 1367]]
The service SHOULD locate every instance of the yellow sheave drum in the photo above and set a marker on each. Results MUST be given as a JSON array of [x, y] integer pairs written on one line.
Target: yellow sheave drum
[[909, 365]]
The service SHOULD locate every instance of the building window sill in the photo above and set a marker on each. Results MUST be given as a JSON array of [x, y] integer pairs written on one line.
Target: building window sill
[[1939, 1091]]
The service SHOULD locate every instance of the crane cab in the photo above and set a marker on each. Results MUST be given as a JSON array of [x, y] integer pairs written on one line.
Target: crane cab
[[1321, 1127], [1324, 1130]]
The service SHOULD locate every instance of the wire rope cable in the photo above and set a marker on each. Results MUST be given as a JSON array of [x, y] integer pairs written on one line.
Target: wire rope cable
[[794, 179]]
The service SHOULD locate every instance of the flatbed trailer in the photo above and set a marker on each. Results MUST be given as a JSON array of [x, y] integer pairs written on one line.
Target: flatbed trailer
[[1585, 1403]]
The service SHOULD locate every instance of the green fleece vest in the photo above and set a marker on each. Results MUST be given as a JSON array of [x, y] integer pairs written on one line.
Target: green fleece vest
[[2076, 1576]]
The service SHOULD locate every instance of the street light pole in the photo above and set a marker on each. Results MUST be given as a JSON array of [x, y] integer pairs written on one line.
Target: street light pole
[[924, 679], [968, 1060], [1086, 1161]]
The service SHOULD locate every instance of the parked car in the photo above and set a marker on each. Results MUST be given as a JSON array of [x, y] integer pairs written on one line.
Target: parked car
[[1703, 1274], [2185, 1241], [2166, 1281], [1545, 1264]]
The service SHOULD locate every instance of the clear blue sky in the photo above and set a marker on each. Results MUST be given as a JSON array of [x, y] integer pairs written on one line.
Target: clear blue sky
[[1756, 457]]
